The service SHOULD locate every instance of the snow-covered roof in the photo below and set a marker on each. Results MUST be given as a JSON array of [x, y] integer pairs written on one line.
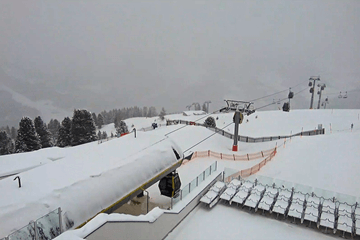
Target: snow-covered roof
[[86, 182], [191, 113]]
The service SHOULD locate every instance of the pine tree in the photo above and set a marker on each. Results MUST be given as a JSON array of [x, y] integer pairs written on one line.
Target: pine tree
[[210, 122], [122, 128], [83, 128], [162, 114], [7, 129], [5, 143], [145, 112], [27, 138], [94, 117], [104, 135], [13, 133], [204, 108], [117, 120], [100, 121], [53, 127], [64, 136], [43, 132]]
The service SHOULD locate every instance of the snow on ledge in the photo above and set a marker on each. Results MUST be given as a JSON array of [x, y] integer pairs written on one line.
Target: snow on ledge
[[102, 218]]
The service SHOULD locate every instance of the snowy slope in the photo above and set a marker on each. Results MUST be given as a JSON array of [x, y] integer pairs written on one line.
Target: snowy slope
[[327, 161], [45, 107]]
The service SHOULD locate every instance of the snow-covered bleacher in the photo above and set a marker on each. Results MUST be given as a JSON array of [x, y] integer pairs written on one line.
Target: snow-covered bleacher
[[297, 206], [269, 198], [357, 220], [243, 192], [213, 195], [326, 209], [327, 217], [312, 208], [231, 190], [255, 196]]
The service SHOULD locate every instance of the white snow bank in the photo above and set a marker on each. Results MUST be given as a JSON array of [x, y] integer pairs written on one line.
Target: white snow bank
[[102, 218], [329, 162], [274, 123], [85, 182]]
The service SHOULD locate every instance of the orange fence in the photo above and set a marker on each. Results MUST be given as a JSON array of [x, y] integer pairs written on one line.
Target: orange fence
[[252, 170], [233, 157]]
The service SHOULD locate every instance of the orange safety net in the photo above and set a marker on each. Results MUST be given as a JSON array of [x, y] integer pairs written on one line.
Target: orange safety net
[[252, 170]]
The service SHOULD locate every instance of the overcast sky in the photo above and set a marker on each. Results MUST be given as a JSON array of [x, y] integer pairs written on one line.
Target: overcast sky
[[111, 54]]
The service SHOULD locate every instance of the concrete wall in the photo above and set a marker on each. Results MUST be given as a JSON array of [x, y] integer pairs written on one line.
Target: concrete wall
[[145, 230]]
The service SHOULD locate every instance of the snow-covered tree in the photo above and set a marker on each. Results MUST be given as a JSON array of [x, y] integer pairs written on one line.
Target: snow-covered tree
[[13, 133], [152, 112], [122, 128], [43, 132], [104, 135], [27, 138], [64, 136], [100, 121], [210, 122], [162, 114], [5, 143], [53, 127], [117, 120], [82, 128], [94, 117], [204, 107]]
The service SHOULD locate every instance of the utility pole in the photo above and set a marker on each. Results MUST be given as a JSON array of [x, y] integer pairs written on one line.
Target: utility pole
[[312, 89], [322, 87]]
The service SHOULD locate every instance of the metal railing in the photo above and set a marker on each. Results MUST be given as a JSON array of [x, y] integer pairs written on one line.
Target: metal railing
[[268, 138], [194, 184], [45, 228], [251, 139]]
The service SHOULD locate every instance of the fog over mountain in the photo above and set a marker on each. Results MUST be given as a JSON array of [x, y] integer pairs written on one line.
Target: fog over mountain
[[59, 55]]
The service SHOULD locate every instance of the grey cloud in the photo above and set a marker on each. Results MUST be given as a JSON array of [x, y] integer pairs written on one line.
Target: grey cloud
[[109, 54]]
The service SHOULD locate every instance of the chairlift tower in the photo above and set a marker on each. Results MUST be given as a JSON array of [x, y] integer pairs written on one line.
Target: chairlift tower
[[322, 87], [312, 89], [240, 108], [325, 102], [207, 105]]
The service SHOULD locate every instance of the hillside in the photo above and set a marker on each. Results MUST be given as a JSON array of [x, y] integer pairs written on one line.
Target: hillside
[[328, 162]]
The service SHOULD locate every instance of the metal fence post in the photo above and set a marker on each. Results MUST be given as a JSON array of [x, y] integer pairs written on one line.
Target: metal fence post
[[189, 187], [210, 169], [197, 181], [60, 220]]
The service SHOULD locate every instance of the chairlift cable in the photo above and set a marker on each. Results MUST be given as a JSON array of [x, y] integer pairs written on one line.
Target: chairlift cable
[[206, 138], [280, 100], [275, 93]]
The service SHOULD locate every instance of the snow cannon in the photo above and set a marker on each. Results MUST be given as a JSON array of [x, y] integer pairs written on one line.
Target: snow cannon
[[170, 185]]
